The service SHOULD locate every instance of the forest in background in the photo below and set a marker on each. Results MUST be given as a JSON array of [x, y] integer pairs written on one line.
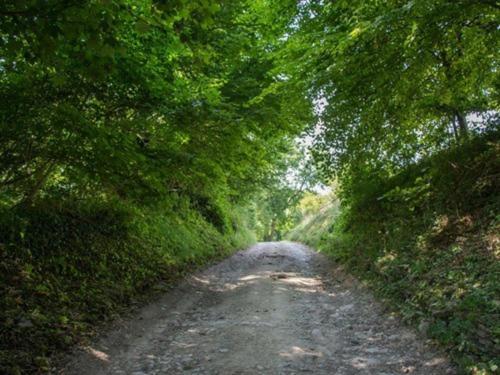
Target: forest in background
[[142, 139]]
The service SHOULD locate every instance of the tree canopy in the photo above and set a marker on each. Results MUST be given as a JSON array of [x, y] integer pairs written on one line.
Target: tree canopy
[[395, 80], [141, 137], [140, 98]]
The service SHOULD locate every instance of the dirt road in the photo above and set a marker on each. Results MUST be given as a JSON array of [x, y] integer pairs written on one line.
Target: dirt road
[[276, 308]]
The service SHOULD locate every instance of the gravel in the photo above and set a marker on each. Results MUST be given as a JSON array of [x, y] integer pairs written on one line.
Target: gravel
[[275, 308]]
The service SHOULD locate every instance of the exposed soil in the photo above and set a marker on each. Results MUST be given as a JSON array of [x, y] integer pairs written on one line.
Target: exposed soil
[[276, 308]]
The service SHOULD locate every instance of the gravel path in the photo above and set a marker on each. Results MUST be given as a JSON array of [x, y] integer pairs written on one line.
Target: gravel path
[[276, 308]]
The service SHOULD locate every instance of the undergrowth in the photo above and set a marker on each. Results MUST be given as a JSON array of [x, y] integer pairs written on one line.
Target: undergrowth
[[427, 240], [65, 267]]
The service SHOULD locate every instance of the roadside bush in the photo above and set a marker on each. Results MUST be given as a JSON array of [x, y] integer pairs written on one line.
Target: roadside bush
[[65, 267], [427, 240]]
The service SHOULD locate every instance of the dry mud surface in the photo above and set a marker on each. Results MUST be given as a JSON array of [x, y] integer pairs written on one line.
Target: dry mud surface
[[275, 308]]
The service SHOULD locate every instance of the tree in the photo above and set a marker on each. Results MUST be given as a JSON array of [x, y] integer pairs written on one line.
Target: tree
[[398, 78], [277, 203], [137, 99]]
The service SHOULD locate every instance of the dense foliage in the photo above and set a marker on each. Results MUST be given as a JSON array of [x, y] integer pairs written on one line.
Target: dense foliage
[[276, 208], [427, 240], [141, 137], [133, 135], [138, 99], [67, 267], [406, 94], [395, 80]]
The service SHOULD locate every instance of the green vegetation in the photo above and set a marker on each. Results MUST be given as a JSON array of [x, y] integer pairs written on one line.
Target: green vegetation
[[67, 267], [397, 80], [314, 223], [139, 139], [276, 208], [408, 111], [427, 240], [133, 136]]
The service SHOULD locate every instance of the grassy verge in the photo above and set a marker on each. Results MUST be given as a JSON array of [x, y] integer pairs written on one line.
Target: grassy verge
[[427, 240], [66, 267]]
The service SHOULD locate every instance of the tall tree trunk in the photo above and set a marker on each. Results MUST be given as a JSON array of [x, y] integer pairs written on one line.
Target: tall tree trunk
[[462, 125], [455, 129]]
